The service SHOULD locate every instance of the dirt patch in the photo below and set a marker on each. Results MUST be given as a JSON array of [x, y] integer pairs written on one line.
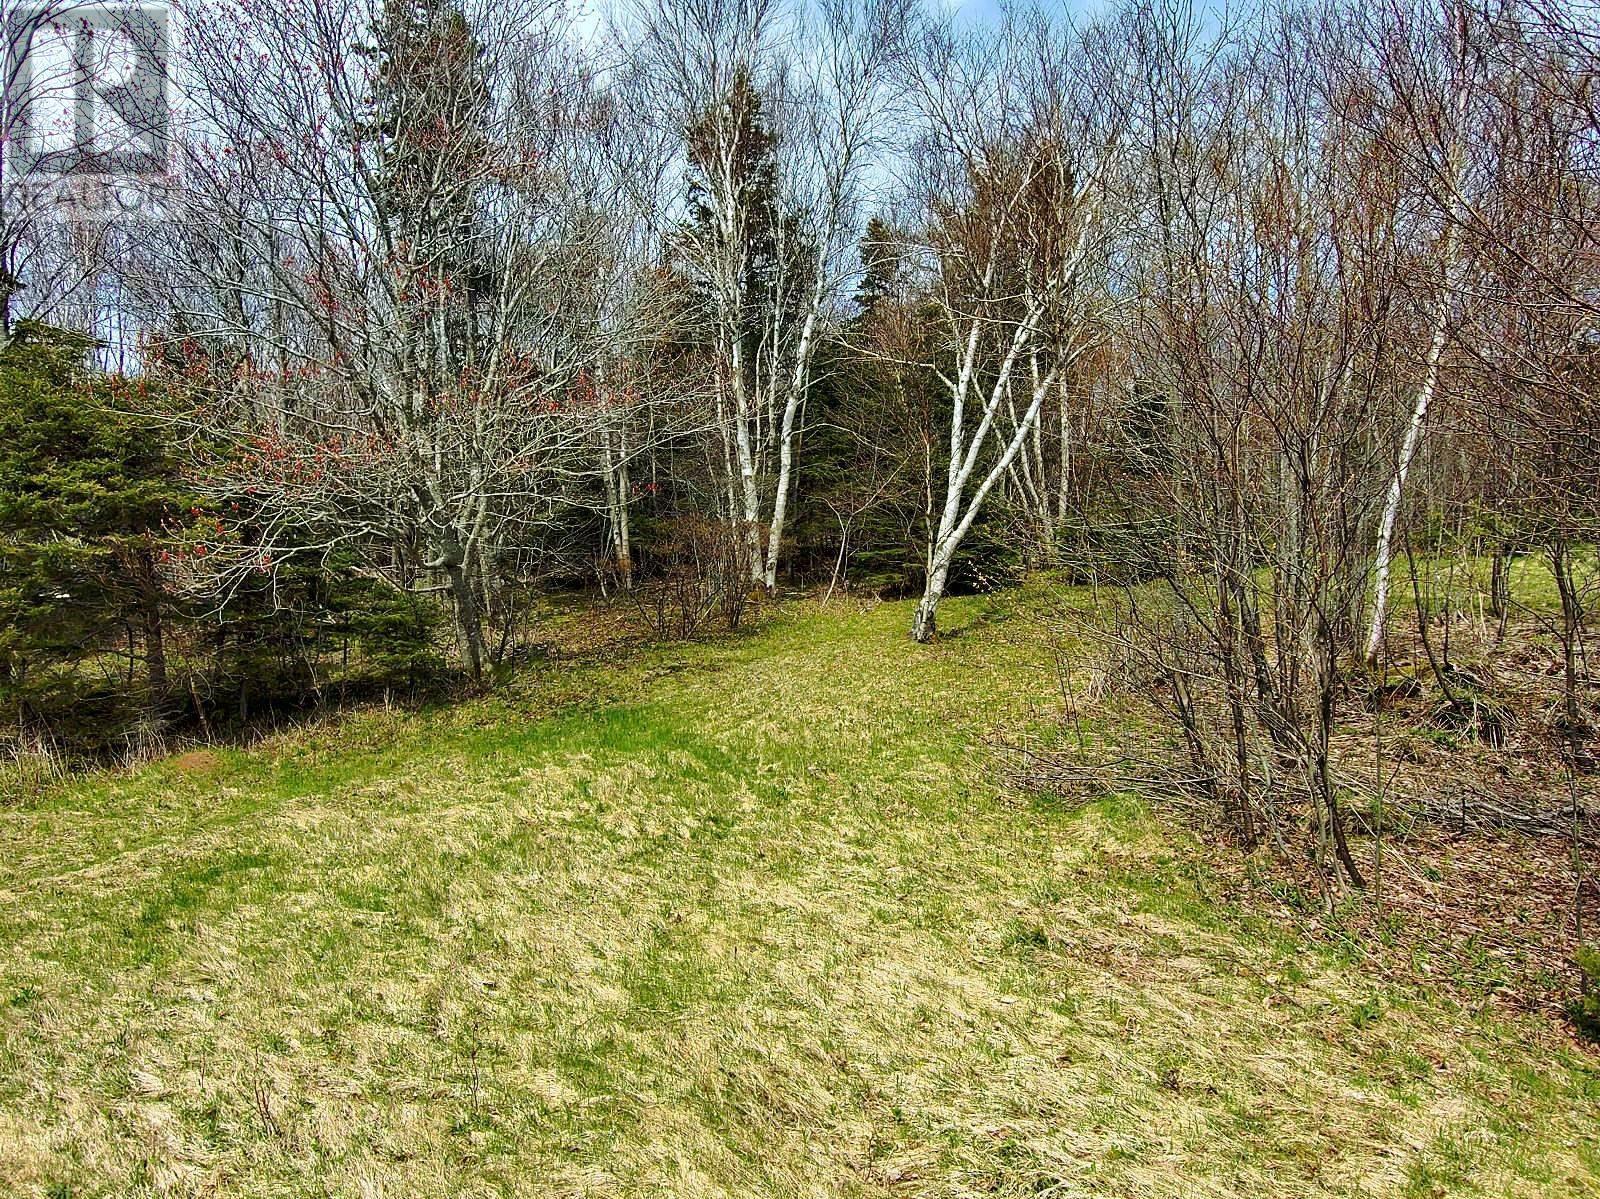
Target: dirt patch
[[202, 762]]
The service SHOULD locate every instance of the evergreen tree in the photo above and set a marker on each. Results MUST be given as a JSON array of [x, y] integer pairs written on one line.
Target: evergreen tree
[[85, 490], [733, 151], [429, 112]]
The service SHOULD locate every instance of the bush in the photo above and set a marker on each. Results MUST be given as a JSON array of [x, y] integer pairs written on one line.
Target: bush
[[698, 571], [1586, 1010], [281, 645]]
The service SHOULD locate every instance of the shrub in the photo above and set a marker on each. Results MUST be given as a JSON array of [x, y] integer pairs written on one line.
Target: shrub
[[698, 572], [1586, 1009]]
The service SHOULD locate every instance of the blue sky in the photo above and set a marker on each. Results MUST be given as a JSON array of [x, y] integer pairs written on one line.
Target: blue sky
[[589, 14], [990, 9]]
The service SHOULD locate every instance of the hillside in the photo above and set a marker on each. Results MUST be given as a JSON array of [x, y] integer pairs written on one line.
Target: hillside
[[751, 918]]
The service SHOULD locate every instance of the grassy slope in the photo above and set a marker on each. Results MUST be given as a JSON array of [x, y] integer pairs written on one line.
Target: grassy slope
[[756, 921]]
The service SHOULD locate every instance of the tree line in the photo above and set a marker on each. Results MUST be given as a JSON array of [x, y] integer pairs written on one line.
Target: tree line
[[450, 307]]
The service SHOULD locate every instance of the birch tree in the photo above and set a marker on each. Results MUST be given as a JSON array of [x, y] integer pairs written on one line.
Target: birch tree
[[1428, 86], [782, 111], [1016, 160]]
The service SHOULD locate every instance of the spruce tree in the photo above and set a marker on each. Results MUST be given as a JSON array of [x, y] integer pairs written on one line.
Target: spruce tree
[[86, 488]]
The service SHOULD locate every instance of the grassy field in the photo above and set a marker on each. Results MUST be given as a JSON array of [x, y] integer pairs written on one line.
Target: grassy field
[[754, 918]]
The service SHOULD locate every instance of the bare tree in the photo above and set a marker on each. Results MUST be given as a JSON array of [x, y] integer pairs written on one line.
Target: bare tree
[[1426, 90], [1019, 136], [388, 235], [1270, 334]]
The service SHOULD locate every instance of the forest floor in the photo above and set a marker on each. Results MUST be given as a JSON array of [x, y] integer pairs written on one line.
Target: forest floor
[[760, 918]]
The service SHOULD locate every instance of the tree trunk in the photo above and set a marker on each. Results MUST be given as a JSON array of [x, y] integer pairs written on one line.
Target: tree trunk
[[614, 471], [1454, 261], [621, 528], [749, 494], [155, 648], [1408, 451], [155, 653], [467, 622], [1500, 581], [925, 625], [786, 435], [1571, 630], [954, 521]]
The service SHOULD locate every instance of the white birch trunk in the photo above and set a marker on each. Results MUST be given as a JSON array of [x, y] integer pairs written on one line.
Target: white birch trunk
[[749, 495], [1397, 481], [1383, 558], [956, 517], [1064, 476], [791, 408], [614, 468], [1454, 265]]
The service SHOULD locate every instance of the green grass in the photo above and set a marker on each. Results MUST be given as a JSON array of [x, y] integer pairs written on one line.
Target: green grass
[[753, 918]]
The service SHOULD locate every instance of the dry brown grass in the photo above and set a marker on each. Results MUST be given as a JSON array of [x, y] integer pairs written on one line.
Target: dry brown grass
[[758, 920]]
